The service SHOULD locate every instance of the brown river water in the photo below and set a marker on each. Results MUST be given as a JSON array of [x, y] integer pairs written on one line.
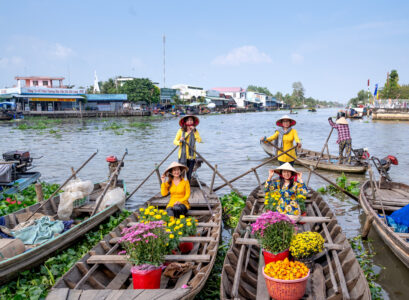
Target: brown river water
[[230, 141]]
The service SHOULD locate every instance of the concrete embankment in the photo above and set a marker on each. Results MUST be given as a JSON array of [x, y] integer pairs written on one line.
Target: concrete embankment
[[392, 114], [86, 114]]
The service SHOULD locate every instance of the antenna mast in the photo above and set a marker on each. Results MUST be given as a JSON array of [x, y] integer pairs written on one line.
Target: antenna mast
[[164, 61]]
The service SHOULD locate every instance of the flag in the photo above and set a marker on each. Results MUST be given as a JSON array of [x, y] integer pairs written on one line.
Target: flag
[[368, 82], [376, 90]]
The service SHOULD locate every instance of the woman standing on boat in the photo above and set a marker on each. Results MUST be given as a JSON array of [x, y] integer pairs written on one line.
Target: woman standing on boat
[[286, 194], [186, 139], [284, 137], [344, 138], [178, 188]]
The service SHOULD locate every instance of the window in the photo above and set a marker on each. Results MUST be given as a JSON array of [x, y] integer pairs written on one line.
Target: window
[[45, 83], [35, 82]]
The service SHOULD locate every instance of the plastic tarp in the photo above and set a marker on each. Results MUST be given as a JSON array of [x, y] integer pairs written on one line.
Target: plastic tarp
[[113, 197], [401, 218], [43, 230]]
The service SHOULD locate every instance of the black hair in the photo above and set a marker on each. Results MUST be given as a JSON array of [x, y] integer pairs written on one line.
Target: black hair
[[282, 181]]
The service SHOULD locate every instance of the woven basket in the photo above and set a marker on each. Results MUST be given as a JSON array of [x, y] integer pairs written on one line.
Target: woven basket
[[286, 289]]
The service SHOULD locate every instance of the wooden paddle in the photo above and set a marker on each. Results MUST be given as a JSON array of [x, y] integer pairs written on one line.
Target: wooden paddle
[[319, 175], [319, 158], [61, 186]]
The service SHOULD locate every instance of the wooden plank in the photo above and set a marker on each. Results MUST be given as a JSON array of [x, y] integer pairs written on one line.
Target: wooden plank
[[298, 219], [250, 241], [59, 294], [121, 259], [403, 235], [173, 294], [120, 278], [262, 292], [209, 224], [74, 294], [194, 239]]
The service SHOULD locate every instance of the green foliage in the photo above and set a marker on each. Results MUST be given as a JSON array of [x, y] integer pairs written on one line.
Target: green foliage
[[25, 198], [259, 89], [141, 89], [391, 89], [362, 98], [343, 182], [36, 282], [232, 205], [140, 125], [276, 237], [211, 290], [364, 254]]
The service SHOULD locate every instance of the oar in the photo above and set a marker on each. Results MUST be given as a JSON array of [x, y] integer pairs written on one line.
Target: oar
[[61, 186], [252, 169], [319, 175], [154, 170], [322, 152], [113, 176]]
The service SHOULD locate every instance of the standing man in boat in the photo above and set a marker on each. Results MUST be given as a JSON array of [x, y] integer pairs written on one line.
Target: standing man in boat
[[344, 138], [284, 137], [186, 139]]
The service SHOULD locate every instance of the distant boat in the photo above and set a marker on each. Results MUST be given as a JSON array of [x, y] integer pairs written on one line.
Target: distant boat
[[312, 110]]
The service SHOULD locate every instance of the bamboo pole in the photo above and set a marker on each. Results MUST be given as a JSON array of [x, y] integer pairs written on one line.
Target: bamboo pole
[[61, 186], [213, 178], [322, 152], [39, 192], [256, 167], [319, 175], [374, 194], [113, 175]]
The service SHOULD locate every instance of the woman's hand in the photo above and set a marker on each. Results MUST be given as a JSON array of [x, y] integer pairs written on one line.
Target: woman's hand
[[299, 177], [299, 145], [263, 139], [177, 203], [163, 178], [182, 139], [270, 174]]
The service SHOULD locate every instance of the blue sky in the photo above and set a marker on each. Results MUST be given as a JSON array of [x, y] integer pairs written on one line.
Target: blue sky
[[332, 48]]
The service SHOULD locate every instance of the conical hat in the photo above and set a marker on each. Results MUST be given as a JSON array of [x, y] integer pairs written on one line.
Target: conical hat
[[280, 121], [174, 165], [184, 118], [342, 121], [286, 166]]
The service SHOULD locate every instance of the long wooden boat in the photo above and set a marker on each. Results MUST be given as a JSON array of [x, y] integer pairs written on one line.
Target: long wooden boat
[[103, 273], [11, 267], [327, 162], [392, 196], [22, 182], [337, 274]]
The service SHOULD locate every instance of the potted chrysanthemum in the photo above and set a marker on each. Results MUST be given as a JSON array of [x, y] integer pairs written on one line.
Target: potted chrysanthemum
[[274, 232], [305, 245], [145, 246], [184, 226]]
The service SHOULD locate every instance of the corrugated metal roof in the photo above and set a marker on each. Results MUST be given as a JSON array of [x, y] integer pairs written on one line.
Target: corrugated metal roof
[[106, 97]]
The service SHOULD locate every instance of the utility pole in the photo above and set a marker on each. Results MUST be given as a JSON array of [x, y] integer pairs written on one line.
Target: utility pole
[[164, 62]]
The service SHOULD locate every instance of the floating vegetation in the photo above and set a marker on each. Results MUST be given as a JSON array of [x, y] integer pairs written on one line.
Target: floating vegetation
[[232, 205], [364, 254], [342, 181], [113, 126], [52, 131], [36, 282], [141, 125]]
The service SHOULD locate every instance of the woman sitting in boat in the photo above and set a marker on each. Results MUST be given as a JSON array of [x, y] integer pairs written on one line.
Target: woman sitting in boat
[[186, 139], [287, 193], [284, 137], [178, 188]]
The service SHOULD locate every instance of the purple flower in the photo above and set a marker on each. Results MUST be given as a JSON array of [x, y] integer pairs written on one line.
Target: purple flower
[[267, 219]]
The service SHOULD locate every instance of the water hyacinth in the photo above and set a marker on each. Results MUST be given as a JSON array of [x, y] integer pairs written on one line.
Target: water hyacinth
[[145, 243], [274, 231]]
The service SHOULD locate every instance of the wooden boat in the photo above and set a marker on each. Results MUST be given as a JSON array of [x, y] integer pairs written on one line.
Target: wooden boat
[[103, 272], [309, 158], [337, 274], [393, 196], [11, 267], [22, 182]]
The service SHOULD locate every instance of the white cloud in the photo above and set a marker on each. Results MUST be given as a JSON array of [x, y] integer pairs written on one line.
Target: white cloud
[[61, 51], [242, 55], [297, 58]]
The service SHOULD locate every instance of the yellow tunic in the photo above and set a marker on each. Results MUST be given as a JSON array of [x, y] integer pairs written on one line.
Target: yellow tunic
[[177, 142], [178, 193], [287, 144]]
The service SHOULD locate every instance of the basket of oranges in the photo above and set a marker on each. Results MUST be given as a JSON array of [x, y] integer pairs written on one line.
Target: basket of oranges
[[286, 280]]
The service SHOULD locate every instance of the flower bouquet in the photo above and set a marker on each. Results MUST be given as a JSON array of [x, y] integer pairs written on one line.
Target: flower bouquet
[[146, 246], [184, 227], [271, 200], [274, 232], [305, 245]]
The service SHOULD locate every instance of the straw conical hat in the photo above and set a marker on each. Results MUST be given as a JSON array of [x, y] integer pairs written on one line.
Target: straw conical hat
[[285, 117], [184, 118], [286, 166], [174, 165], [342, 121]]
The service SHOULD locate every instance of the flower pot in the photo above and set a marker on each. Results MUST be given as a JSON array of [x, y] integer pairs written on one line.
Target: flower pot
[[286, 289], [303, 215], [270, 257], [185, 247], [146, 279], [309, 262]]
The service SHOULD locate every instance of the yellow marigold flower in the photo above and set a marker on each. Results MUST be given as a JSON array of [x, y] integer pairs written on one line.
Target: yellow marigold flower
[[180, 232], [152, 213], [189, 219], [176, 228], [181, 226], [158, 217], [189, 224], [164, 212], [151, 207], [182, 217], [141, 209], [178, 222], [146, 212], [168, 230], [171, 236]]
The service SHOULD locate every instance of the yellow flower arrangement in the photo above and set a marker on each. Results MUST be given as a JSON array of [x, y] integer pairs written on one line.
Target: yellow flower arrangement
[[286, 270], [306, 244]]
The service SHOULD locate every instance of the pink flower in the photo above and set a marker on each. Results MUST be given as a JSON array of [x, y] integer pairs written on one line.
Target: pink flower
[[267, 219], [121, 252], [185, 286]]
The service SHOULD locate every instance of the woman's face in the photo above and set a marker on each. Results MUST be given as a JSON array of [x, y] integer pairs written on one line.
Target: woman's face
[[189, 121], [176, 172], [286, 123], [286, 174]]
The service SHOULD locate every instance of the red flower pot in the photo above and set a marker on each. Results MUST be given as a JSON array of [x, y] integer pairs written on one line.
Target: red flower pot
[[146, 279], [185, 247], [270, 257]]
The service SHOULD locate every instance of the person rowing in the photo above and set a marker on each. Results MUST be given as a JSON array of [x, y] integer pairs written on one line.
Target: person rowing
[[284, 137]]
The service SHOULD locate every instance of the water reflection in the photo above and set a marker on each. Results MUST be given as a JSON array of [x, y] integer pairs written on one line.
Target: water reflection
[[230, 141]]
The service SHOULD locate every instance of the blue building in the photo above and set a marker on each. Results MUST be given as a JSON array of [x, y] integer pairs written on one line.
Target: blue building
[[105, 102]]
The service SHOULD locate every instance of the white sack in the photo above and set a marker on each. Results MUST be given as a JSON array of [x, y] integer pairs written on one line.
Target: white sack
[[113, 197]]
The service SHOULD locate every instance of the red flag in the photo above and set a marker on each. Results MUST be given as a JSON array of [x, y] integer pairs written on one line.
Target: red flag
[[368, 82]]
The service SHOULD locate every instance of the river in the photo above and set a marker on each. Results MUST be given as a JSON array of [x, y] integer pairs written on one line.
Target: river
[[230, 141]]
